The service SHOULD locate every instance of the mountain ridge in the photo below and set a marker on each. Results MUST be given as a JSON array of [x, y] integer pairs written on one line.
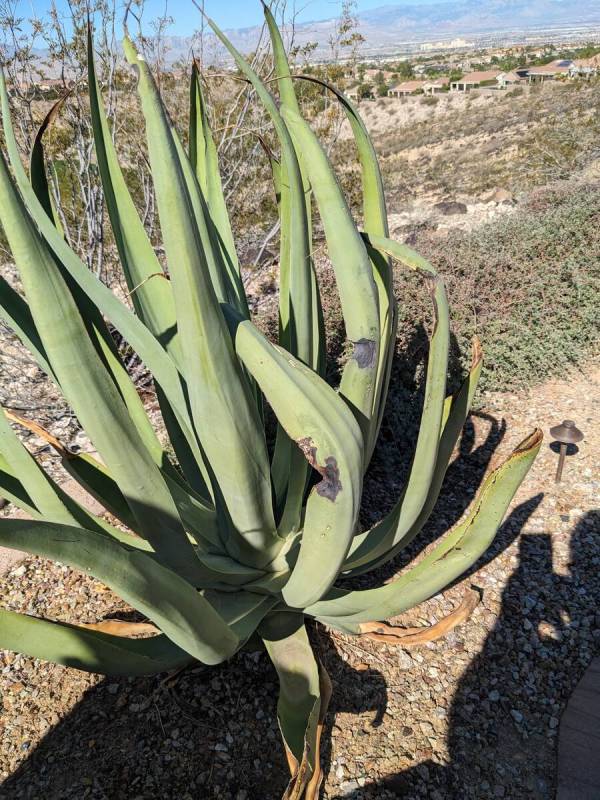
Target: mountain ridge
[[391, 24]]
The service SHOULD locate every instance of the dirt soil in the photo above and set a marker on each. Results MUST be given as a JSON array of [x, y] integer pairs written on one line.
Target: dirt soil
[[475, 715]]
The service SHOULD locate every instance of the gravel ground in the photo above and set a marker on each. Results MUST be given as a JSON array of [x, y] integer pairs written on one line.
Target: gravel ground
[[475, 715]]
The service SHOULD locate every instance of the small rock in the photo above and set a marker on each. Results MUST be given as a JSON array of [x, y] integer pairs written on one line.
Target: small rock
[[450, 207], [499, 195], [404, 660], [516, 715], [347, 787]]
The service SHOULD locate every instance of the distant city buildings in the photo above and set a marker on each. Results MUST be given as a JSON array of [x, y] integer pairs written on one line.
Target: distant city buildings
[[454, 44]]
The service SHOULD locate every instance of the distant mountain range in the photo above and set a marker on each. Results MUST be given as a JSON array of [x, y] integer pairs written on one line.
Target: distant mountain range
[[390, 26], [404, 26]]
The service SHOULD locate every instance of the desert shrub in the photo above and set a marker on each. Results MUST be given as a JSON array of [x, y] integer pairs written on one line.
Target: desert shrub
[[429, 101], [528, 284]]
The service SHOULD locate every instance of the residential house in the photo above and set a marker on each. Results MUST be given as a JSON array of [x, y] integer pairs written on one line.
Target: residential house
[[585, 67], [56, 84], [370, 75], [473, 80], [436, 85], [549, 72], [507, 79], [405, 89]]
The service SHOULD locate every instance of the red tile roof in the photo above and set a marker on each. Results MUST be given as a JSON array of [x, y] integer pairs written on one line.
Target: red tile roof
[[408, 86], [480, 77]]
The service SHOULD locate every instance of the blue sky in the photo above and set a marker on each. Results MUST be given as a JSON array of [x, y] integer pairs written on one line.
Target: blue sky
[[227, 13]]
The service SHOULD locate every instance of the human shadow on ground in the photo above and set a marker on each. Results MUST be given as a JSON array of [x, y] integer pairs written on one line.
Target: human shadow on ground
[[503, 723]]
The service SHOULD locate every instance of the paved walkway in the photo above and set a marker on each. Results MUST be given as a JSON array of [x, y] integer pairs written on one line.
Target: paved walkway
[[579, 740]]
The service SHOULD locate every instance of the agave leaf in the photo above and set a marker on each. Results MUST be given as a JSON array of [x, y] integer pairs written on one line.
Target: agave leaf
[[375, 222], [205, 164], [168, 600], [304, 692], [283, 453], [296, 300], [35, 492], [15, 312], [242, 611], [149, 287], [224, 412], [399, 252], [89, 650], [37, 165], [37, 485], [316, 418], [89, 312], [82, 375], [133, 329], [455, 554], [299, 309], [456, 410], [354, 273], [386, 535], [12, 489], [150, 290]]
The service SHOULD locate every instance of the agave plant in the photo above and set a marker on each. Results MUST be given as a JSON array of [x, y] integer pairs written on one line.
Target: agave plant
[[211, 537]]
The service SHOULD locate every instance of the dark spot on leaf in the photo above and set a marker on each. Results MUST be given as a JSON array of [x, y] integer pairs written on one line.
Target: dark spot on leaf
[[331, 485], [365, 352]]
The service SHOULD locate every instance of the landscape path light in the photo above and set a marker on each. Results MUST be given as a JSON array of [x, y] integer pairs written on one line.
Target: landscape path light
[[566, 433]]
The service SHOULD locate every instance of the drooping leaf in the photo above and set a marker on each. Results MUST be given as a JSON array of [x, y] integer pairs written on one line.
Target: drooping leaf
[[89, 650], [304, 691], [456, 410], [37, 164], [173, 604], [321, 425], [386, 536], [453, 556]]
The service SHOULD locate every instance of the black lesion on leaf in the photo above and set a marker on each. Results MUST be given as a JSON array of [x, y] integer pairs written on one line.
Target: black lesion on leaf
[[330, 486], [365, 353]]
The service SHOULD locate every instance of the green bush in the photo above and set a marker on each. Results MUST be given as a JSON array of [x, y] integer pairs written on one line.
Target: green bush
[[528, 284]]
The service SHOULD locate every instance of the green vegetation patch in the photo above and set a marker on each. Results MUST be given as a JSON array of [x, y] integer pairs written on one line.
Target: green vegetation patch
[[527, 284]]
